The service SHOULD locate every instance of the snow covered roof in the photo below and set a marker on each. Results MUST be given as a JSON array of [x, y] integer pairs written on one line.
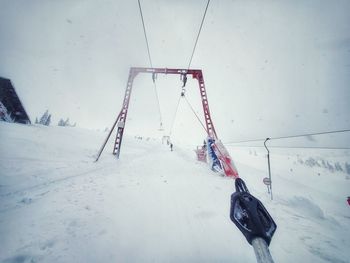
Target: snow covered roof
[[11, 101]]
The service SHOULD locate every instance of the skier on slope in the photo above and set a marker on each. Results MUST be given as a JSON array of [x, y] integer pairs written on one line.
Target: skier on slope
[[171, 147]]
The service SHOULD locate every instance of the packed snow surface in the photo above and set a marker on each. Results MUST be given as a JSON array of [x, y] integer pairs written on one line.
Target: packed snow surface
[[154, 205]]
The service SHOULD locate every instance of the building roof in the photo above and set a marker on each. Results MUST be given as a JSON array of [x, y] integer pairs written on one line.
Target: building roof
[[11, 101]]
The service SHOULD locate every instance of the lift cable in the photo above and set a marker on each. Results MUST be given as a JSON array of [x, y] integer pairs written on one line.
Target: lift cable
[[174, 118], [196, 115], [290, 136], [295, 147], [200, 29], [151, 64], [160, 113], [189, 64], [310, 134], [188, 67], [144, 32], [185, 78]]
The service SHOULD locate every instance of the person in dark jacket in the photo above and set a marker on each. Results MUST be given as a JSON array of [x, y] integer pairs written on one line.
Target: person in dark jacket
[[171, 147]]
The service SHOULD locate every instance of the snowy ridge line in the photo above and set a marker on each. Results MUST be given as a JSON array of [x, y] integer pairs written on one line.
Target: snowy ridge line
[[59, 180], [17, 204], [290, 136], [100, 213], [35, 159]]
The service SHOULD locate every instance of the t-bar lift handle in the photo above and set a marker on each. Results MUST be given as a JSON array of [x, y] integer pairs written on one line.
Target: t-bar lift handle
[[253, 220]]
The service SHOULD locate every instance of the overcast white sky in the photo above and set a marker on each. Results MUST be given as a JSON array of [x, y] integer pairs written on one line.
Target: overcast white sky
[[271, 67]]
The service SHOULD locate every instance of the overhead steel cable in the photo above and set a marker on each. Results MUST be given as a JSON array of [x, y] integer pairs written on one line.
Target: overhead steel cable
[[174, 118], [291, 136], [196, 115], [253, 140], [189, 65], [309, 134], [199, 32], [160, 113], [144, 32], [150, 62], [295, 147]]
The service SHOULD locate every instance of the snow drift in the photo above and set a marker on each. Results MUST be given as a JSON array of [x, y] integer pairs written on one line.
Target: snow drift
[[154, 205]]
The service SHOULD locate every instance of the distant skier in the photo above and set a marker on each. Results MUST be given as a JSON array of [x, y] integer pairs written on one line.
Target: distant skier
[[171, 147], [349, 200]]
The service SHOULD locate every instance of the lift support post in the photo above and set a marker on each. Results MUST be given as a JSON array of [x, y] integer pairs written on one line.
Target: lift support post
[[219, 148]]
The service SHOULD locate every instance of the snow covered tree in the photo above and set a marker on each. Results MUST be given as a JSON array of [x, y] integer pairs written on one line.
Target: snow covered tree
[[66, 123], [44, 118], [61, 122], [48, 121], [347, 167], [338, 167]]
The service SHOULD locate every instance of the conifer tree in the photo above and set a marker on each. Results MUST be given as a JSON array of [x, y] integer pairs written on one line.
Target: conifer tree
[[44, 118], [66, 123], [48, 121], [61, 122]]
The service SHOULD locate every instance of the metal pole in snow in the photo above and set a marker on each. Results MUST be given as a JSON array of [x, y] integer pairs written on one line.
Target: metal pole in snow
[[268, 163], [261, 250], [105, 142]]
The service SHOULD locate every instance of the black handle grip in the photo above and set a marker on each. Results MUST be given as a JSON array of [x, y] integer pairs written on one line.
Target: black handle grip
[[250, 215]]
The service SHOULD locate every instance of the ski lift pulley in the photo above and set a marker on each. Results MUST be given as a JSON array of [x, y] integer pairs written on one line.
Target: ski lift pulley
[[183, 77], [183, 92], [250, 215], [154, 77]]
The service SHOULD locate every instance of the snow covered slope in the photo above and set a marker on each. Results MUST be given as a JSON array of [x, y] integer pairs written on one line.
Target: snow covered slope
[[153, 205]]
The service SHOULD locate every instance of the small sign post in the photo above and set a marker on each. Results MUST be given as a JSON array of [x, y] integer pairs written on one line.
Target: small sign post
[[269, 186], [267, 182]]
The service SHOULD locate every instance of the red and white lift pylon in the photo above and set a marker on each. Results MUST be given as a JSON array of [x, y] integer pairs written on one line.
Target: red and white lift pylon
[[218, 147]]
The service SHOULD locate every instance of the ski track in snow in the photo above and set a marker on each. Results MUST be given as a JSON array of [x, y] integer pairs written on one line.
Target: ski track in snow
[[151, 205]]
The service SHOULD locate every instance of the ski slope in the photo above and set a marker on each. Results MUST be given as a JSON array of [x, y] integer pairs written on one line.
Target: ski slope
[[154, 205]]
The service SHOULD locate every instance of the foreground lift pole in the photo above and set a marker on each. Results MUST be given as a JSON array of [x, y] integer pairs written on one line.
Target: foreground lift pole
[[123, 113], [106, 140], [269, 167], [262, 252]]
